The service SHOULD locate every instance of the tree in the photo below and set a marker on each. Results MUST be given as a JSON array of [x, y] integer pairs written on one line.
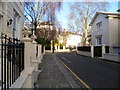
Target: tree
[[34, 12], [52, 18], [81, 15]]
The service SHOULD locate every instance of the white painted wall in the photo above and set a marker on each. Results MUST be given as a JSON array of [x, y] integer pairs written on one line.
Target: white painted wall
[[47, 26], [7, 11], [1, 17], [109, 30], [104, 31], [60, 38], [111, 57], [73, 40], [113, 31]]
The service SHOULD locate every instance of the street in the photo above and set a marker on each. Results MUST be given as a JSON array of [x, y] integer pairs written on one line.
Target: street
[[95, 73]]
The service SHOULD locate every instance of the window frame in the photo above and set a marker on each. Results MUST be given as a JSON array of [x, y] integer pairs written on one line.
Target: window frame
[[99, 40], [99, 26]]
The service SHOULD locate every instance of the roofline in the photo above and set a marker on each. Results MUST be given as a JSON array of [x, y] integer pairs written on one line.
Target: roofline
[[94, 17], [108, 13], [100, 12]]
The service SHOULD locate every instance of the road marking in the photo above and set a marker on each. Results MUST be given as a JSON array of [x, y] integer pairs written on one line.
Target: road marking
[[66, 60], [75, 75]]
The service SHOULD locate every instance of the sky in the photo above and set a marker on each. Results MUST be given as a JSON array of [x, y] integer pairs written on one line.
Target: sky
[[63, 15]]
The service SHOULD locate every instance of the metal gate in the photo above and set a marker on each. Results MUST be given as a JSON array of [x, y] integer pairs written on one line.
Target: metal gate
[[97, 51], [12, 60]]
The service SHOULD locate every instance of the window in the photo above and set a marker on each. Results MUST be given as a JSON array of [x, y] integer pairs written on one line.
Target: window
[[99, 25], [99, 40], [15, 25]]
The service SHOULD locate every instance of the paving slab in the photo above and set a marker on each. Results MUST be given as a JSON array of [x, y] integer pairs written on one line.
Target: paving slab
[[54, 75]]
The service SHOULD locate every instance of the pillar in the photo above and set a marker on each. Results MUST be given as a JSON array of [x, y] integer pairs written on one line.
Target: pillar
[[92, 51], [103, 50], [58, 47], [44, 50], [55, 47], [34, 46], [27, 50], [63, 47]]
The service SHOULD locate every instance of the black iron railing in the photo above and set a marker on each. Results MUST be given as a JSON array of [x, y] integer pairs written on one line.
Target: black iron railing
[[12, 60]]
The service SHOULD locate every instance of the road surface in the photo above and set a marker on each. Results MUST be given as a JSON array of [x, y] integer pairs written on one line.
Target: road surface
[[95, 73]]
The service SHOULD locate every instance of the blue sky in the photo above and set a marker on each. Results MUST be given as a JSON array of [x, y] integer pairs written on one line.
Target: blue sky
[[63, 15]]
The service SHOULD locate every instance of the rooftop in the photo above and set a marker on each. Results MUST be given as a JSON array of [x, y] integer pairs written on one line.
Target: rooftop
[[105, 13]]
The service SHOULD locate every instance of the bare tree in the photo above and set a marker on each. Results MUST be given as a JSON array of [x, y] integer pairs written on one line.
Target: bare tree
[[55, 6], [81, 15], [34, 12]]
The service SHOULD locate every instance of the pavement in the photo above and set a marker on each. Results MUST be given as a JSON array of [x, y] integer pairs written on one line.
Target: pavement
[[55, 75]]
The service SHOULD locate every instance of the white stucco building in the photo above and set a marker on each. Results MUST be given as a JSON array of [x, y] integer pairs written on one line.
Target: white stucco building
[[44, 30], [73, 40], [11, 21], [12, 18], [69, 39], [105, 30]]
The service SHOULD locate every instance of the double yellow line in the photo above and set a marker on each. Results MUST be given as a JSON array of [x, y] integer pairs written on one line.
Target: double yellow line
[[76, 75]]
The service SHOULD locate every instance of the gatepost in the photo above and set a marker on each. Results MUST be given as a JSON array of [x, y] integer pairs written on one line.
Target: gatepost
[[92, 51], [28, 70], [103, 50], [34, 51]]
